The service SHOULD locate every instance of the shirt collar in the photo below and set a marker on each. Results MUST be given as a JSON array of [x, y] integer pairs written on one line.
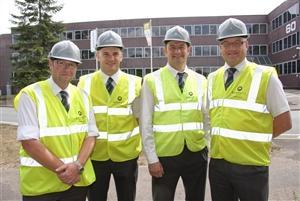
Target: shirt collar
[[174, 71], [239, 67], [115, 76], [55, 88]]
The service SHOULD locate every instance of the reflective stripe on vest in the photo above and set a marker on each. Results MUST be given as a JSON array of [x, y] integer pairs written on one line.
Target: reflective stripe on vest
[[163, 107], [250, 104], [29, 162], [56, 131], [118, 136], [242, 135], [112, 111], [43, 120], [178, 127]]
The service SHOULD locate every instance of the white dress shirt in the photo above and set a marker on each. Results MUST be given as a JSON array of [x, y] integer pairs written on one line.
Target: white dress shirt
[[28, 127]]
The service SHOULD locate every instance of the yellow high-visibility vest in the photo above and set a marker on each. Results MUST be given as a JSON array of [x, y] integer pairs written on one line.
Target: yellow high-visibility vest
[[177, 117], [61, 132], [241, 125], [119, 136]]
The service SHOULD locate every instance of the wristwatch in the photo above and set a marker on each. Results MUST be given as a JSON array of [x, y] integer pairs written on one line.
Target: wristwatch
[[79, 166]]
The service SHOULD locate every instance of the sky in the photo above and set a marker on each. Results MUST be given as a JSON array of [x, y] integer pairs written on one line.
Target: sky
[[99, 10]]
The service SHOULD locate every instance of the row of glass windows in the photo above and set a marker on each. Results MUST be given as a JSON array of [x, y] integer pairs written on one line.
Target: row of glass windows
[[141, 72], [160, 31], [290, 67], [285, 17], [197, 51], [285, 43]]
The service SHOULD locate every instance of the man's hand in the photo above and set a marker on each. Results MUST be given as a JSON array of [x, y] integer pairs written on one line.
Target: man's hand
[[68, 173], [156, 169]]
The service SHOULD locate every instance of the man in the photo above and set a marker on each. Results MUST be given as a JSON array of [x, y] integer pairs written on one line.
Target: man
[[57, 131], [246, 112], [173, 100], [114, 97]]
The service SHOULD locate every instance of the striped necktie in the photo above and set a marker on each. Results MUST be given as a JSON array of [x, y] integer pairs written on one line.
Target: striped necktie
[[109, 85], [64, 99], [180, 81], [230, 72]]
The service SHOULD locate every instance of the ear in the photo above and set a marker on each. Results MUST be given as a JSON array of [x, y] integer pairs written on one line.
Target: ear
[[50, 64]]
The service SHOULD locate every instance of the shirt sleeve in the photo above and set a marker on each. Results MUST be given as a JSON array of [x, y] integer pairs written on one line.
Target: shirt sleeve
[[276, 99], [146, 127], [136, 107], [92, 126], [28, 127]]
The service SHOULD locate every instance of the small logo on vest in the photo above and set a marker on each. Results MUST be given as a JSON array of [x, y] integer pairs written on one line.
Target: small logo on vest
[[191, 93], [240, 88], [79, 113], [119, 98]]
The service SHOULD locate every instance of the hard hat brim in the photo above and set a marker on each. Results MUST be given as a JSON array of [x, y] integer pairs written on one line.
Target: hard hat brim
[[237, 35], [67, 59]]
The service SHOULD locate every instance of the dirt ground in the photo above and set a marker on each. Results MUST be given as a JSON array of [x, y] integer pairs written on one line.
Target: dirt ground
[[9, 146]]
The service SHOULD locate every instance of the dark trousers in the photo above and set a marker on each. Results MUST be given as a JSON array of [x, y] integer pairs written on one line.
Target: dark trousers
[[191, 167], [232, 182], [72, 194], [125, 176]]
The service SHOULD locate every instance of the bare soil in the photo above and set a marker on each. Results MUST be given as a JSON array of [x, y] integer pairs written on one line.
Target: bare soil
[[9, 146]]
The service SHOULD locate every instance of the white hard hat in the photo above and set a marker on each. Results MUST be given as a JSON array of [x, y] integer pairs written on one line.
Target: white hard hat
[[232, 28], [65, 50], [109, 39], [177, 33]]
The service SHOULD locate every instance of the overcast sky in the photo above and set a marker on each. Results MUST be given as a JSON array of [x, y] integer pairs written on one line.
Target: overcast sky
[[98, 10]]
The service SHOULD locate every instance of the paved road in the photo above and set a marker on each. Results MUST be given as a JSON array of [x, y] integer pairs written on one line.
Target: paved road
[[284, 169], [284, 177]]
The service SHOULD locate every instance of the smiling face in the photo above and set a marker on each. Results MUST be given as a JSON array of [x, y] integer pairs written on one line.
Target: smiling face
[[62, 71], [233, 50], [110, 59], [177, 53]]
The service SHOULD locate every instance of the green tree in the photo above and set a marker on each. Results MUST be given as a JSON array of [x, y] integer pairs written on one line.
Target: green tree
[[35, 33]]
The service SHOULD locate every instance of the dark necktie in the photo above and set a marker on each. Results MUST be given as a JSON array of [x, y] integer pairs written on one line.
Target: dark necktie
[[64, 100], [230, 72], [180, 81], [109, 85]]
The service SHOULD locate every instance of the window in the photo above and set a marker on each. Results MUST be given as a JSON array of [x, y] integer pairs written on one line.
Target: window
[[213, 51], [124, 32], [198, 51], [139, 32], [263, 28], [131, 52], [263, 50], [255, 28], [163, 30], [155, 31], [147, 52], [77, 35], [131, 32], [205, 29], [213, 29], [198, 29], [85, 34], [205, 50], [139, 52]]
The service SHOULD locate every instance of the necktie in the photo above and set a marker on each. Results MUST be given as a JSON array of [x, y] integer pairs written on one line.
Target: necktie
[[109, 85], [180, 81], [229, 80], [64, 100]]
